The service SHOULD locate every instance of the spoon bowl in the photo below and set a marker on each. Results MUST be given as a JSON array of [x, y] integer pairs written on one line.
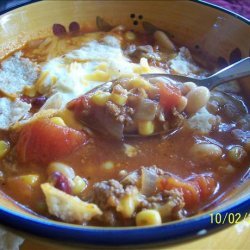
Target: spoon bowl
[[102, 120]]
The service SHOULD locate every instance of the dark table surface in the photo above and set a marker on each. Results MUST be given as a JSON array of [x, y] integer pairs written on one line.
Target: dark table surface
[[241, 7]]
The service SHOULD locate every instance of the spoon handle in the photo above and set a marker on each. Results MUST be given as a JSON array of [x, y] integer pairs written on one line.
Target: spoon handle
[[234, 71]]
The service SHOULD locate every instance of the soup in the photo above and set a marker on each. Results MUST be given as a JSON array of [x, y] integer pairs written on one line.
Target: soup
[[70, 153]]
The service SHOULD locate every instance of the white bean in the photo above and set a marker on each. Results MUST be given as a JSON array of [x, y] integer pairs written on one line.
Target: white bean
[[197, 98], [182, 104], [62, 168], [236, 154], [187, 87], [206, 150], [164, 42]]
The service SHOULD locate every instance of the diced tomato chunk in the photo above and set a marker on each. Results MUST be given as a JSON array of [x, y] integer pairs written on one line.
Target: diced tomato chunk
[[206, 185], [190, 192], [169, 96], [43, 141], [78, 105], [194, 191]]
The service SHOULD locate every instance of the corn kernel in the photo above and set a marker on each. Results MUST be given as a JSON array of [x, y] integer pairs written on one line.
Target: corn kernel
[[102, 67], [53, 80], [118, 99], [127, 206], [130, 151], [29, 91], [108, 165], [148, 217], [98, 75], [4, 148], [58, 121], [143, 67], [62, 168], [130, 36], [140, 83], [146, 127], [41, 79], [79, 184], [69, 119], [100, 98], [30, 179]]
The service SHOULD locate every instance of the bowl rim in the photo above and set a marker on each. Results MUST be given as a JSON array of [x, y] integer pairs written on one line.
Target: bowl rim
[[230, 12], [195, 226], [198, 225]]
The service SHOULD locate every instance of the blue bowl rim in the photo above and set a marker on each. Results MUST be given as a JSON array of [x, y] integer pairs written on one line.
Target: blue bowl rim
[[169, 232], [166, 233]]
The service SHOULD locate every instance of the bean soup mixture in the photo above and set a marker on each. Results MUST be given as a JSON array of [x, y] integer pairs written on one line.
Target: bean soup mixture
[[137, 151]]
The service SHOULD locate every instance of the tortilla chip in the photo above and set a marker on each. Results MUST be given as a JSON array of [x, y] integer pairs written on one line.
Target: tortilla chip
[[67, 207], [12, 111], [17, 72]]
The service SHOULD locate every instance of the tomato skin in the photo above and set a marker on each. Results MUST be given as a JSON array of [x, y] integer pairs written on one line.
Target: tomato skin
[[79, 105], [206, 185], [42, 141], [195, 191], [190, 192], [169, 96]]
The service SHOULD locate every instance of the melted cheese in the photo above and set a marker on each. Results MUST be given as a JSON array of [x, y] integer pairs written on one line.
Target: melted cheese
[[183, 63], [80, 70]]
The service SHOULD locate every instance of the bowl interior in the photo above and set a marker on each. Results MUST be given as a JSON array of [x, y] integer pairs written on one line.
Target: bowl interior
[[212, 35]]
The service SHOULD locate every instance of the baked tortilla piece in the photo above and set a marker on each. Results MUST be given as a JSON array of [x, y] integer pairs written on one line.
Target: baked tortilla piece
[[12, 111], [16, 73], [183, 64], [202, 122], [67, 207]]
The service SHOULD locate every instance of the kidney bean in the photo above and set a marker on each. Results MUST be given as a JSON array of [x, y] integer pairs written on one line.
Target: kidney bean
[[38, 101], [59, 181]]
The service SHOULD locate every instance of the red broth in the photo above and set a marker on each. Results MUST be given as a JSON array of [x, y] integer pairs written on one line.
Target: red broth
[[185, 175]]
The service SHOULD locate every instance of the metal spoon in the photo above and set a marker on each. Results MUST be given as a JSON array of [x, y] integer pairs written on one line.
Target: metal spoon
[[234, 71]]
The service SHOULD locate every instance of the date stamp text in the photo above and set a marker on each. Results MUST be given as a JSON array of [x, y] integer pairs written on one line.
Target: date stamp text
[[228, 218]]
